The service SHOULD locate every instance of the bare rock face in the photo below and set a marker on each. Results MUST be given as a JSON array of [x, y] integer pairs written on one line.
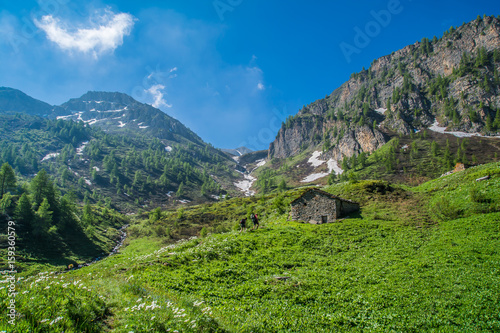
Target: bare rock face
[[362, 139], [289, 140], [453, 79]]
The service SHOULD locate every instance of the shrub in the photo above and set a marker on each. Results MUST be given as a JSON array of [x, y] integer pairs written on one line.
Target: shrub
[[477, 196], [445, 211]]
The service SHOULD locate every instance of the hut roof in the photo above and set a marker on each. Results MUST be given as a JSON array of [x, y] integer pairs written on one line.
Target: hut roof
[[331, 196]]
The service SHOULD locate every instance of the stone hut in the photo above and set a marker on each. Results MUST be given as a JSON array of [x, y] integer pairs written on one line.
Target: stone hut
[[317, 207]]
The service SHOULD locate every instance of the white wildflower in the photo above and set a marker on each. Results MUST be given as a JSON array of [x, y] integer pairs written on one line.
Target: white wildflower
[[55, 320]]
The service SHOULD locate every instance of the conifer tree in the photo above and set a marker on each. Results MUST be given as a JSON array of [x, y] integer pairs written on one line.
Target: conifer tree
[[6, 203], [43, 218], [42, 188], [87, 216], [282, 186], [180, 190], [7, 179], [24, 213]]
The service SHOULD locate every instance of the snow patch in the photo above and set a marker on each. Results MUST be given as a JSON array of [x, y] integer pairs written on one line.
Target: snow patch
[[111, 111], [381, 110], [88, 182], [122, 124], [332, 166], [63, 117], [168, 148], [261, 162], [314, 176], [49, 156], [79, 150], [96, 168], [315, 162], [245, 185], [439, 129], [143, 127]]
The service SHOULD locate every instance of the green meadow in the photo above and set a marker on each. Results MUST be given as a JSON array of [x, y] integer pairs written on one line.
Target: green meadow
[[414, 259]]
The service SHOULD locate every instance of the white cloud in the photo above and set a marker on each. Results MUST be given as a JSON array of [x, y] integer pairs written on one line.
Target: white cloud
[[158, 95], [260, 86], [105, 35]]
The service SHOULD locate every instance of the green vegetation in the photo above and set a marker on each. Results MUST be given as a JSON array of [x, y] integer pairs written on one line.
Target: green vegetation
[[51, 228], [401, 264], [417, 158], [122, 170]]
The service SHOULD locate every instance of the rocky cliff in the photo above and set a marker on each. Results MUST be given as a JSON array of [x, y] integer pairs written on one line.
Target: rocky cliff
[[453, 80]]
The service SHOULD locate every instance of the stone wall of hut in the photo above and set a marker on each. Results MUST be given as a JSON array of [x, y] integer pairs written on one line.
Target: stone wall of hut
[[315, 208]]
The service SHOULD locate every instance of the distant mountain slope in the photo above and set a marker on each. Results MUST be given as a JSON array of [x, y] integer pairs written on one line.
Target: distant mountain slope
[[13, 100], [238, 151], [108, 147], [453, 80], [115, 112], [126, 169]]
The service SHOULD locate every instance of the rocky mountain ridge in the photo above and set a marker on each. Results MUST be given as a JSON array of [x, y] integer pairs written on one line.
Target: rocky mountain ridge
[[452, 80], [114, 111]]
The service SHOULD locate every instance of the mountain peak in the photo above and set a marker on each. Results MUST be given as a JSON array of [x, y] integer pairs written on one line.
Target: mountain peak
[[103, 96], [14, 100]]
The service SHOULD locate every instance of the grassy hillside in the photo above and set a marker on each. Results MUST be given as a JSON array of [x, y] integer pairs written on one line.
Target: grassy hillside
[[414, 259]]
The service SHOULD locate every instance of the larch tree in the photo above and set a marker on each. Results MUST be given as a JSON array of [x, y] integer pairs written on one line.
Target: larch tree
[[7, 179], [24, 213], [43, 218]]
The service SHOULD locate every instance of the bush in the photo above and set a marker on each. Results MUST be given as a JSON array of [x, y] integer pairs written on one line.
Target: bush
[[161, 231], [477, 196], [204, 232], [445, 211]]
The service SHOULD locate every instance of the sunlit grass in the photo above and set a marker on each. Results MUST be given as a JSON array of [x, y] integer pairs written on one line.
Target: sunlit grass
[[395, 266]]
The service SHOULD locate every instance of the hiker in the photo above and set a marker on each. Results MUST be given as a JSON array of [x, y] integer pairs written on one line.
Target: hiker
[[243, 224], [255, 221]]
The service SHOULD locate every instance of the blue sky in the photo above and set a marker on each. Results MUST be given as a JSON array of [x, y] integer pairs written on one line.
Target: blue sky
[[231, 70]]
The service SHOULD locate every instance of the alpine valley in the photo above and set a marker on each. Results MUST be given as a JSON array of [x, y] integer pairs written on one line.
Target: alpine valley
[[414, 139]]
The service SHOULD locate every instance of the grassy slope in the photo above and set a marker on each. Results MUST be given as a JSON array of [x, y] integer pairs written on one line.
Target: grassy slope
[[73, 244], [402, 264]]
